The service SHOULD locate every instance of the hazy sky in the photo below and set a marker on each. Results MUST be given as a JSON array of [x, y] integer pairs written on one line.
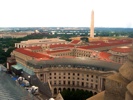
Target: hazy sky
[[65, 13]]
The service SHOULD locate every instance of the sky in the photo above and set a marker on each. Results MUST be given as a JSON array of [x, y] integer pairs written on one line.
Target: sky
[[66, 13]]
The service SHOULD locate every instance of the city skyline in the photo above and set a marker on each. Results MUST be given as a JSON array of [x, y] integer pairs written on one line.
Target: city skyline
[[65, 13]]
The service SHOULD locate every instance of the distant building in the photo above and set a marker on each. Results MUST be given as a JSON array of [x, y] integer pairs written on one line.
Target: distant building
[[40, 42], [13, 35], [119, 54]]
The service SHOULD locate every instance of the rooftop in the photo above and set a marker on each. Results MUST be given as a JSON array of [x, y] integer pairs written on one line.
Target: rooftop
[[32, 54], [75, 41], [55, 51], [10, 90], [122, 49], [41, 40], [99, 96], [77, 62], [60, 45], [106, 44], [104, 56]]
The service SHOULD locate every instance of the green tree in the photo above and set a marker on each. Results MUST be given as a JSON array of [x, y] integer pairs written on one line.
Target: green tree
[[76, 95], [8, 52]]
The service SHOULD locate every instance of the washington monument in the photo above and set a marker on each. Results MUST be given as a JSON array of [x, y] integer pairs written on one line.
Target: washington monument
[[92, 25]]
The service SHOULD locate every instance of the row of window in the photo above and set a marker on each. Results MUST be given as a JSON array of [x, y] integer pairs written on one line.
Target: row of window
[[64, 54], [82, 51], [64, 78], [74, 74], [73, 83]]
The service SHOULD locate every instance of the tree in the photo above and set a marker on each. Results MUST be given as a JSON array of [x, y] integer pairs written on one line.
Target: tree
[[8, 52], [76, 95]]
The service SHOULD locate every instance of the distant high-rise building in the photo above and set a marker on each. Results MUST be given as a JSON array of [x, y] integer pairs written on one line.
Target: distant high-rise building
[[92, 25]]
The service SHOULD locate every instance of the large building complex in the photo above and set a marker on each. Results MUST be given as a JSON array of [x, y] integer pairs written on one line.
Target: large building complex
[[65, 65]]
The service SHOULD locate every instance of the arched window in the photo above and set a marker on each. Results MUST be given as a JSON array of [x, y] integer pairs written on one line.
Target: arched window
[[55, 91], [60, 89]]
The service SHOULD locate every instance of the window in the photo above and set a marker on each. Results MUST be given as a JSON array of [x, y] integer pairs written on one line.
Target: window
[[68, 82], [82, 83], [54, 82], [96, 86], [41, 75], [59, 82], [73, 83], [78, 83], [91, 85], [50, 82], [64, 82]]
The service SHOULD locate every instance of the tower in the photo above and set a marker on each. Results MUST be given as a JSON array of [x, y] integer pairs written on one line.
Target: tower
[[92, 25]]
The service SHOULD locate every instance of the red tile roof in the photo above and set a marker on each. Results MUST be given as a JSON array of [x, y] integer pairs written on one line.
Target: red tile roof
[[61, 45], [104, 55], [34, 48], [32, 54], [56, 51], [75, 41], [104, 44], [122, 50]]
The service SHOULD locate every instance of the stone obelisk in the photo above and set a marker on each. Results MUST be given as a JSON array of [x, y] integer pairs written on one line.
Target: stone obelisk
[[92, 25]]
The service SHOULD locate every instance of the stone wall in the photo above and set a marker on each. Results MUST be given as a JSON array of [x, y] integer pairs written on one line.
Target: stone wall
[[115, 87]]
